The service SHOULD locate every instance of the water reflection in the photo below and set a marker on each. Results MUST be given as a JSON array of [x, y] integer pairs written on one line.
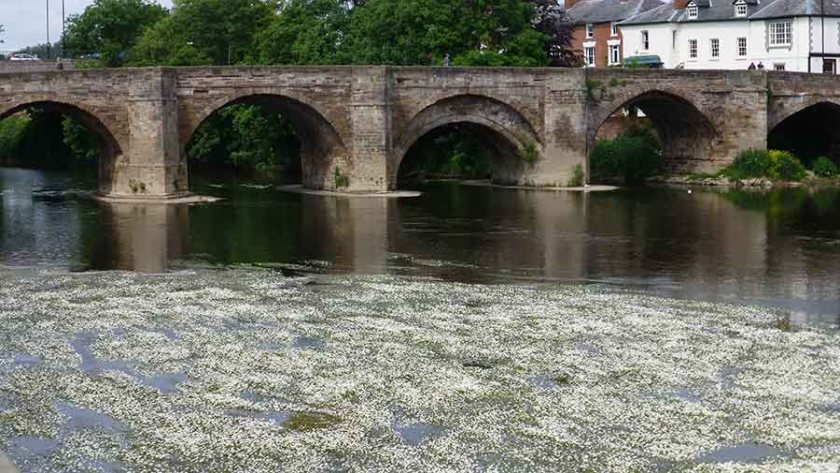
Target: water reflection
[[780, 248], [143, 238]]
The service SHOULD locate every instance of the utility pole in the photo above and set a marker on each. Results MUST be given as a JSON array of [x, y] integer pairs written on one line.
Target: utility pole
[[63, 26], [48, 31]]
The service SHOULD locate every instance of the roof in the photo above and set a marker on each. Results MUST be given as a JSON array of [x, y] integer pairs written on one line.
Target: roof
[[724, 10], [644, 60], [788, 8], [609, 11]]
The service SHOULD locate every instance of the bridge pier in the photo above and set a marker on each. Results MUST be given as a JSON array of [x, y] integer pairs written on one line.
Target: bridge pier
[[153, 166]]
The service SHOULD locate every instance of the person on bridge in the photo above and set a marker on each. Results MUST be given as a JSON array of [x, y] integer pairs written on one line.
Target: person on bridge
[[760, 66], [752, 66], [446, 61]]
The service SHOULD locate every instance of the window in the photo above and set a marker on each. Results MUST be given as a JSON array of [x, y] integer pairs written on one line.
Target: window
[[615, 54], [742, 47], [645, 41], [692, 48], [589, 56], [779, 66], [613, 30], [715, 46], [590, 30], [779, 33], [693, 12], [741, 9]]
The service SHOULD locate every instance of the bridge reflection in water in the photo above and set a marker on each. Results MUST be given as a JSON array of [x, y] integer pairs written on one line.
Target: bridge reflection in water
[[779, 248]]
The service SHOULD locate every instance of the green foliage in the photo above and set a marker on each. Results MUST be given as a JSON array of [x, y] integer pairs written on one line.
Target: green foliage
[[749, 164], [83, 145], [341, 181], [111, 28], [244, 137], [422, 32], [629, 158], [578, 178], [446, 153], [12, 131], [774, 164], [825, 167], [305, 32], [529, 152], [217, 32], [46, 138], [784, 166], [164, 44], [592, 88]]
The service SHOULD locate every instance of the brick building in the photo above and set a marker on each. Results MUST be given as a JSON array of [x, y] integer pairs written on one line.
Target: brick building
[[597, 36]]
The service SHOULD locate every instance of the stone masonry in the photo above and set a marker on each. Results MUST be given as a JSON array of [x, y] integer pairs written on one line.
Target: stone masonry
[[356, 124]]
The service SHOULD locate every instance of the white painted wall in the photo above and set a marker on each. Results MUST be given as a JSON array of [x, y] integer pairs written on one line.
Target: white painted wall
[[670, 41]]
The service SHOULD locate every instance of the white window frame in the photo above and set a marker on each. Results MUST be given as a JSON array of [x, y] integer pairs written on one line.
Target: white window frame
[[645, 40], [589, 56], [714, 48], [780, 34], [693, 49], [614, 54], [590, 30], [743, 47], [693, 11], [740, 9], [614, 30]]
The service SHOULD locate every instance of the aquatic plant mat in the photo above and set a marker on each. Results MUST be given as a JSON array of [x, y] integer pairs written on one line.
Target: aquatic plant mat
[[249, 371]]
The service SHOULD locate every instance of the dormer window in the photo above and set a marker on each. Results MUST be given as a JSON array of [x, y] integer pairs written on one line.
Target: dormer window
[[590, 30], [693, 11], [741, 9]]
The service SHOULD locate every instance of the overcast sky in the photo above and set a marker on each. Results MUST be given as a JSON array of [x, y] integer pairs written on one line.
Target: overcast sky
[[25, 20]]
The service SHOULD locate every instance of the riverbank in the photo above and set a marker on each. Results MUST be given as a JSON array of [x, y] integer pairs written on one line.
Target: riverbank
[[761, 183], [217, 370]]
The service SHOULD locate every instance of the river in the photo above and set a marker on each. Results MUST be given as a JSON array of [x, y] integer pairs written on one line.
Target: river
[[469, 328]]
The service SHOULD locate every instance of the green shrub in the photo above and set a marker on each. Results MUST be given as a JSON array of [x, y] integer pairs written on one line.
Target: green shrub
[[784, 166], [824, 167], [775, 165], [749, 164], [631, 157], [529, 152], [341, 181], [578, 177]]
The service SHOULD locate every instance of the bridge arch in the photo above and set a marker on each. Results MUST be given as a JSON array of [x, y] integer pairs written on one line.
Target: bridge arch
[[686, 133], [504, 130], [322, 148], [110, 147], [810, 130]]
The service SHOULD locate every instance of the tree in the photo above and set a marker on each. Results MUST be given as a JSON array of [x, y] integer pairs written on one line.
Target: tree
[[551, 19], [222, 31], [305, 32], [110, 28], [422, 32], [165, 45]]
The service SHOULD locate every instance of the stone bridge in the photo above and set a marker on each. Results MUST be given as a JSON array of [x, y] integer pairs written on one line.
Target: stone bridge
[[359, 122]]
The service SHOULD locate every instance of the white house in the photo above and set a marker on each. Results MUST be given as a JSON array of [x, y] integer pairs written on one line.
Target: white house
[[791, 35]]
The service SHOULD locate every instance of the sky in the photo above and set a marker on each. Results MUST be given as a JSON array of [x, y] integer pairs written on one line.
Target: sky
[[25, 20]]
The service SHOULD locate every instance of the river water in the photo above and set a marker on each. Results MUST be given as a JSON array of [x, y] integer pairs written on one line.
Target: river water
[[471, 328], [777, 248]]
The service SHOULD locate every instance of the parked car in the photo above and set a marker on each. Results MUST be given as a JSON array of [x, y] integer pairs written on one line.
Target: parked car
[[23, 57]]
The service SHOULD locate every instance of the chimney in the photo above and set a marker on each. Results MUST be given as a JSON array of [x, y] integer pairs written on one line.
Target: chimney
[[680, 4], [570, 3]]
